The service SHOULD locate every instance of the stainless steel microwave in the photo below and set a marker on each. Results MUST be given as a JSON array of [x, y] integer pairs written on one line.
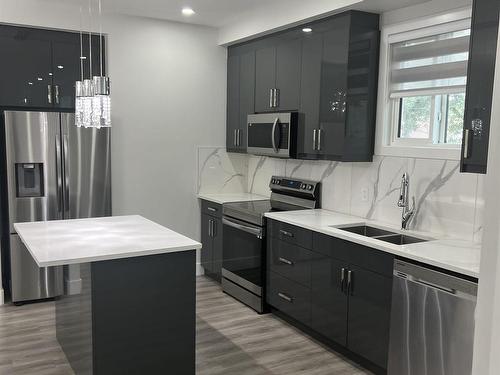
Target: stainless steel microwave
[[273, 134]]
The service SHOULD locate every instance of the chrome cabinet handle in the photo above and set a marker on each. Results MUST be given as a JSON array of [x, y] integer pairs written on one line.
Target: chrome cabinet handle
[[342, 279], [349, 282], [212, 209], [318, 147], [273, 135], [314, 139], [285, 261], [210, 230], [66, 173], [466, 143], [56, 92], [234, 138], [49, 94], [214, 228], [238, 137], [285, 233], [60, 202], [271, 98], [285, 297], [276, 98]]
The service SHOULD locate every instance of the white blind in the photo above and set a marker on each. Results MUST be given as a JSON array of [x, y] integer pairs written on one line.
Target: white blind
[[430, 66]]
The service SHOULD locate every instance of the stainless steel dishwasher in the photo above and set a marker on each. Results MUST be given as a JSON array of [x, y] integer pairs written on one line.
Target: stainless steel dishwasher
[[432, 322]]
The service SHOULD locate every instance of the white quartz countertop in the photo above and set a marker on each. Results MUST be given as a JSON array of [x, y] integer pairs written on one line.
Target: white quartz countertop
[[62, 242], [222, 198], [451, 254]]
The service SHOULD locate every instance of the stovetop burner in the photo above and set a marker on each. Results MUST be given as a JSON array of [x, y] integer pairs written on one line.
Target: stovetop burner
[[287, 195]]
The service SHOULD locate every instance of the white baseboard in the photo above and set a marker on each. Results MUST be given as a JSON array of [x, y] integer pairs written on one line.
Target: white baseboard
[[199, 269], [72, 286]]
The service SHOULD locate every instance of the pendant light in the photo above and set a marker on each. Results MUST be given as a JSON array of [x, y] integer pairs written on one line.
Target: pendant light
[[87, 91], [92, 100], [101, 101], [79, 112]]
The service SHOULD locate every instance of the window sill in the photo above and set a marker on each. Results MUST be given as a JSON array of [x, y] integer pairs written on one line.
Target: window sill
[[422, 152]]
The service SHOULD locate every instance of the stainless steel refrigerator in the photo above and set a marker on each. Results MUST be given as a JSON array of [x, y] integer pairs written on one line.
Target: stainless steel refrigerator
[[54, 170]]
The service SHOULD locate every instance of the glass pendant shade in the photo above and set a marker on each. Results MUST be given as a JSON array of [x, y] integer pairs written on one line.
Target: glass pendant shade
[[101, 102], [79, 104], [87, 99]]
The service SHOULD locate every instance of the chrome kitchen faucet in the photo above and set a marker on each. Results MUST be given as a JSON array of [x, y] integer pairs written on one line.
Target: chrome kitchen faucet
[[404, 201]]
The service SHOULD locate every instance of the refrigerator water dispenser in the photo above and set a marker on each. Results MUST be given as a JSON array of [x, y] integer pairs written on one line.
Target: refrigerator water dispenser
[[29, 180]]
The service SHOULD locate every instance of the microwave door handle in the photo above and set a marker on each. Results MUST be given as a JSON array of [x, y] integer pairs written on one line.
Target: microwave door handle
[[273, 135]]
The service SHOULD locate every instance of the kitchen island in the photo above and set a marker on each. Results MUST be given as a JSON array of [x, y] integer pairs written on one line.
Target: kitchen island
[[135, 310]]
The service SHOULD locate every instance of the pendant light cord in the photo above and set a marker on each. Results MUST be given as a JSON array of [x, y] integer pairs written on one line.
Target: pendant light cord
[[90, 38], [81, 43], [100, 35]]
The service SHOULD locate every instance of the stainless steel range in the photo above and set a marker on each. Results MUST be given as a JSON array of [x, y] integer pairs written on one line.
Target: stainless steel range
[[244, 236]]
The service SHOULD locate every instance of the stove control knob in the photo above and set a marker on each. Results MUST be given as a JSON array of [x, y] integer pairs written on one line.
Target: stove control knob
[[278, 182], [303, 186], [309, 187], [273, 181]]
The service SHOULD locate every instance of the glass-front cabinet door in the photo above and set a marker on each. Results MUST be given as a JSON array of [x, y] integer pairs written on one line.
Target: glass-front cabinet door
[[25, 66]]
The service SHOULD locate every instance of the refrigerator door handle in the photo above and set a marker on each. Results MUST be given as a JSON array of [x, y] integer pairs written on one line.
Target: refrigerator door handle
[[59, 177], [66, 175]]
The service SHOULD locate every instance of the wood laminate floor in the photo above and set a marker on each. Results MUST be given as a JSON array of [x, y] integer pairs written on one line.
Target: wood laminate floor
[[231, 340]]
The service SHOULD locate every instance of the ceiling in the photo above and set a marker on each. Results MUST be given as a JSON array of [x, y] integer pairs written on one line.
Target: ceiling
[[219, 13]]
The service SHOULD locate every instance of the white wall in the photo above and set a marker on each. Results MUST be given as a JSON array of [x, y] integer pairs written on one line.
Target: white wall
[[168, 84]]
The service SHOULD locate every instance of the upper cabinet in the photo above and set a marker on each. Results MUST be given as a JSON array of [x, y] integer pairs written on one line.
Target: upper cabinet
[[40, 67], [277, 81], [240, 99], [480, 78], [328, 75]]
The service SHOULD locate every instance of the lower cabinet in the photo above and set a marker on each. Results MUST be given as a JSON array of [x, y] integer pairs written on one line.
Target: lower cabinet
[[341, 290], [328, 299], [289, 297], [211, 240], [370, 297]]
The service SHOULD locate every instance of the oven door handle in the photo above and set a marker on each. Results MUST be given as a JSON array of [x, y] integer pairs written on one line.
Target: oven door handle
[[273, 135], [258, 232]]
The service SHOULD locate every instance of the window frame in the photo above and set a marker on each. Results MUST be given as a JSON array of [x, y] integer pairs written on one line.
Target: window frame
[[386, 142]]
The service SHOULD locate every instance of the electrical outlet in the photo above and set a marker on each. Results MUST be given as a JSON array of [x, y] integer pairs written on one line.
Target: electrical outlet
[[364, 194]]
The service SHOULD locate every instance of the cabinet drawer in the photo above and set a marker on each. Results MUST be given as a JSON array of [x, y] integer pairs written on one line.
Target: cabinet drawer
[[291, 234], [353, 253], [289, 297], [210, 208], [290, 261]]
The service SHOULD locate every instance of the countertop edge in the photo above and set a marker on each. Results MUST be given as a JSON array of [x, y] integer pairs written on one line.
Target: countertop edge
[[382, 247], [217, 197]]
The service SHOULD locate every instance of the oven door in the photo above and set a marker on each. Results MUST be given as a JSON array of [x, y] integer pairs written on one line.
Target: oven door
[[243, 254], [270, 134]]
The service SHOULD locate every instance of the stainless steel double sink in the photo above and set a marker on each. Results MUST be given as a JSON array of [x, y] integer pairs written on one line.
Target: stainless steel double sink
[[382, 234]]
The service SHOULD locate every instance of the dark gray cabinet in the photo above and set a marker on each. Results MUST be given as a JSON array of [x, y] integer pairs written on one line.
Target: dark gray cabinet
[[341, 290], [339, 89], [480, 78], [40, 67], [329, 76], [277, 76], [370, 296], [240, 99], [211, 239], [328, 299]]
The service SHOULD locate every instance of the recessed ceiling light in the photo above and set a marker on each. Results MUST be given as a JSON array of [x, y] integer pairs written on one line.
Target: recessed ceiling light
[[307, 29], [188, 11], [40, 78], [60, 67]]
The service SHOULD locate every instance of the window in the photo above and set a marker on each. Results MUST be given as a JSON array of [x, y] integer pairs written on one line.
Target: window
[[432, 119], [423, 83]]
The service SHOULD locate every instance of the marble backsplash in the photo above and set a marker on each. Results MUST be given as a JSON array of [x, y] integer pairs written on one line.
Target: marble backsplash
[[447, 202]]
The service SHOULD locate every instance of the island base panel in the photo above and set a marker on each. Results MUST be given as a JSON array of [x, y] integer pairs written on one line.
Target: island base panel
[[133, 316]]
